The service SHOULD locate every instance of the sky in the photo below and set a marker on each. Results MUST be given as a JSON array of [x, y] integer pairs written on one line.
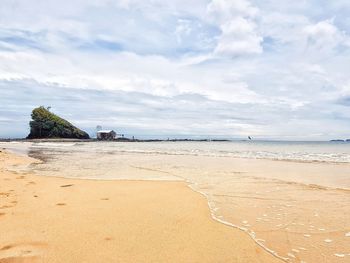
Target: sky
[[270, 69]]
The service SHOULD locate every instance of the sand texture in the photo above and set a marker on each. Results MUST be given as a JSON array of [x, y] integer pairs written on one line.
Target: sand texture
[[299, 210], [50, 219]]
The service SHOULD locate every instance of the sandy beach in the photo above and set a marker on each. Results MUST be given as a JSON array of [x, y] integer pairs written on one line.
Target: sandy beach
[[49, 219]]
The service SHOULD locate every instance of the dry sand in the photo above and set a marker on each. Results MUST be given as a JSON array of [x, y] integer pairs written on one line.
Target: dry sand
[[49, 219]]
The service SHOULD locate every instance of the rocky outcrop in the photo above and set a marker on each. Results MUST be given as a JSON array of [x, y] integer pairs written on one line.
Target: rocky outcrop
[[45, 124]]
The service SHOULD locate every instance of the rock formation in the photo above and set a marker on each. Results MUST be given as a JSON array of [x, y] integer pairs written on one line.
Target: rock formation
[[48, 125]]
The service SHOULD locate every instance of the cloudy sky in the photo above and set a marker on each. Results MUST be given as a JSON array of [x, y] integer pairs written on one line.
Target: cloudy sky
[[272, 69]]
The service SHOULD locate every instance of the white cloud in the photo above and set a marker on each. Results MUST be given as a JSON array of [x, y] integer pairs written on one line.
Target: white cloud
[[183, 29], [154, 75], [239, 34], [225, 10], [324, 36], [238, 37]]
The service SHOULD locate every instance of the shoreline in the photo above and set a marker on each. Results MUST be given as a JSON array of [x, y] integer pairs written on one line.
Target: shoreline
[[245, 230], [114, 140], [287, 160], [225, 243], [126, 139]]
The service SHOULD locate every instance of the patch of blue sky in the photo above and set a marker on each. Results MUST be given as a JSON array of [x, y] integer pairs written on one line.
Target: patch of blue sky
[[270, 44], [345, 101], [101, 45], [22, 39]]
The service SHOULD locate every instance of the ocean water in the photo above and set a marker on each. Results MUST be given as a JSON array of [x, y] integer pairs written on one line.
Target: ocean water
[[292, 198], [337, 152]]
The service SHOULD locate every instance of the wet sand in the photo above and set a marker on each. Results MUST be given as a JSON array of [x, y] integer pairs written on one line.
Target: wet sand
[[301, 211], [50, 219], [298, 210]]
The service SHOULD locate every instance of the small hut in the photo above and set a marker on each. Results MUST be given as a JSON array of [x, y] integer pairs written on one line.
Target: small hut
[[106, 135]]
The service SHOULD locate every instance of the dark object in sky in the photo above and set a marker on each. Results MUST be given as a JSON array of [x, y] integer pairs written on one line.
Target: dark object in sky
[[48, 125], [249, 137]]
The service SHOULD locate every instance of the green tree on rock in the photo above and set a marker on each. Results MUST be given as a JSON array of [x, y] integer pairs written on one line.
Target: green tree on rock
[[45, 124]]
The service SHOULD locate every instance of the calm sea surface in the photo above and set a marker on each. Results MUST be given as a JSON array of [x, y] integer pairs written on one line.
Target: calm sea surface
[[338, 152]]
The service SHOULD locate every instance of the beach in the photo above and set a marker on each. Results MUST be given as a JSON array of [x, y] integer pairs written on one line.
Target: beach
[[174, 131], [52, 219], [186, 201]]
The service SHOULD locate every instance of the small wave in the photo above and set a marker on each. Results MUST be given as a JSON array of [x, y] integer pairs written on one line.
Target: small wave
[[291, 157], [259, 242], [321, 153], [52, 145]]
